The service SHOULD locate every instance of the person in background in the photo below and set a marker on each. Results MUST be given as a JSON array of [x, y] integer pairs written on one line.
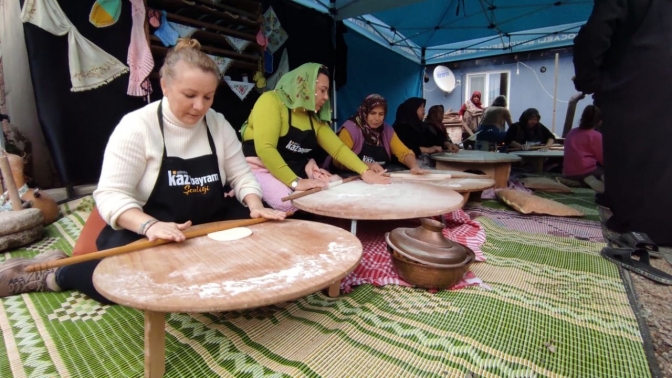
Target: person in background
[[164, 169], [416, 134], [622, 55], [583, 147], [471, 114], [375, 141], [495, 118], [438, 130], [528, 132], [284, 131]]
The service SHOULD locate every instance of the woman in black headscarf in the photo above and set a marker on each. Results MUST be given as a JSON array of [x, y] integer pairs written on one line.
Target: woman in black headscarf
[[416, 134], [529, 131]]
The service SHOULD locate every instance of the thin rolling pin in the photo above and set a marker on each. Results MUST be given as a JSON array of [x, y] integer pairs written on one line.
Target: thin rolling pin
[[315, 190], [190, 233], [552, 147]]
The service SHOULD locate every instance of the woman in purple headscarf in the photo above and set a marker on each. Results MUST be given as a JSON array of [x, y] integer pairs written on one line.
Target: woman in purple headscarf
[[375, 141]]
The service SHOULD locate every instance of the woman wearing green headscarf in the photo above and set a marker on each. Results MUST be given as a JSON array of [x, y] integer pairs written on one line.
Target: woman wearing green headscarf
[[285, 129]]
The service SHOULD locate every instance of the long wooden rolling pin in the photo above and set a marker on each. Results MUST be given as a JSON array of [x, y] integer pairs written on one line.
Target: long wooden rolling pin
[[190, 233], [532, 148], [315, 190]]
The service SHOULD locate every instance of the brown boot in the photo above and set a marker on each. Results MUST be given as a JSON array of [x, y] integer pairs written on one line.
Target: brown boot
[[15, 280]]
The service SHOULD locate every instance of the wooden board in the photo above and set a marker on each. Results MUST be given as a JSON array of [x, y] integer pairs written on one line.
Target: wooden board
[[434, 175], [398, 200], [280, 261], [546, 154], [466, 185], [476, 157]]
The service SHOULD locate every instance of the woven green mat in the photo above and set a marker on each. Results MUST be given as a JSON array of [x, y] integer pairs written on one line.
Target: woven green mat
[[554, 308]]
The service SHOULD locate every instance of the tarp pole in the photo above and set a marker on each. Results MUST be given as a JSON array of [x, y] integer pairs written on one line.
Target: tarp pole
[[555, 90]]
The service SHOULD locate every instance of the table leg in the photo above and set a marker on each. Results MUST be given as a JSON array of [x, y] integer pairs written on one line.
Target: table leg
[[334, 289], [465, 199], [501, 175], [538, 164], [353, 226], [155, 344]]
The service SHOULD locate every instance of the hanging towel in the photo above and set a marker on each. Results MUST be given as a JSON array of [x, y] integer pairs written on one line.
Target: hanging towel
[[140, 58], [90, 66]]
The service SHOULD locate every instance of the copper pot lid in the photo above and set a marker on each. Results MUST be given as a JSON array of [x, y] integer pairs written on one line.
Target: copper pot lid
[[426, 244]]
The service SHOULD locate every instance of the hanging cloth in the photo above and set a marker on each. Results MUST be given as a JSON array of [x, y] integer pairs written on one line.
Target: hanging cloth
[[90, 66], [140, 58]]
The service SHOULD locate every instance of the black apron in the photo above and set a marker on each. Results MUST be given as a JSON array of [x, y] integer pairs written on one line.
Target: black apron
[[374, 154], [295, 148], [186, 189]]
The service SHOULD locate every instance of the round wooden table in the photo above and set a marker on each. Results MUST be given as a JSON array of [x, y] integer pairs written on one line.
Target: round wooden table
[[358, 200], [461, 182], [280, 261], [496, 166], [537, 157]]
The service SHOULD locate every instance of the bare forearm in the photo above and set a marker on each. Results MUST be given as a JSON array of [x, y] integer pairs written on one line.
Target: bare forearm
[[253, 201], [133, 219], [410, 161]]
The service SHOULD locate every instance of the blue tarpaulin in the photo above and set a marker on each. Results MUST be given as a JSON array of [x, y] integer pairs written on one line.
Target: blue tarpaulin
[[438, 31]]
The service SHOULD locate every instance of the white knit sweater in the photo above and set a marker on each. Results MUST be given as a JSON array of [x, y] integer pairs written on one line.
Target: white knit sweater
[[133, 157]]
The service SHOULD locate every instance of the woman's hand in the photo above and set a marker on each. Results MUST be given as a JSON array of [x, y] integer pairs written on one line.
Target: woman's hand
[[418, 171], [266, 213], [436, 149], [167, 231], [371, 177], [525, 147], [375, 167], [452, 148], [306, 184]]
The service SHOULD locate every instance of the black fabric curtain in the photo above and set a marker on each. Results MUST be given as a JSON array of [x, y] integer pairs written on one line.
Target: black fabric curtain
[[77, 125]]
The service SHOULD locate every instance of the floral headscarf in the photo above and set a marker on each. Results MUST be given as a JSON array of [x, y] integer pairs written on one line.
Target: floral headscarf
[[297, 90], [371, 136]]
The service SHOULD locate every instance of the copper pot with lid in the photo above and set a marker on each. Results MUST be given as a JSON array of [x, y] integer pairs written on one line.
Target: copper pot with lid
[[426, 258]]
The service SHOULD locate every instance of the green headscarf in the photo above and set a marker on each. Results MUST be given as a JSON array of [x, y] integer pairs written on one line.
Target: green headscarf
[[297, 89]]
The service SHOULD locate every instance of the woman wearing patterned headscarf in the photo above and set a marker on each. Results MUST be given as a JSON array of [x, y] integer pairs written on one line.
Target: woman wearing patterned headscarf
[[375, 141], [285, 130]]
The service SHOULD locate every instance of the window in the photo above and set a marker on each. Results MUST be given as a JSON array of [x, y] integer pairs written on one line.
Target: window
[[490, 84]]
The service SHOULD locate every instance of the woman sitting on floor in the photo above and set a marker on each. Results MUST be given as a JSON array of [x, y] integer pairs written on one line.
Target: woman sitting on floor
[[437, 131], [373, 140], [416, 134], [583, 147], [284, 131], [164, 169], [528, 132]]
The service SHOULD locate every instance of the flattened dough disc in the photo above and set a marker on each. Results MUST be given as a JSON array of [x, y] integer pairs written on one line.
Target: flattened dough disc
[[231, 234]]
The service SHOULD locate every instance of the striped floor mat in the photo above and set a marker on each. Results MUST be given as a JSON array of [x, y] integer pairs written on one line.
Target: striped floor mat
[[554, 308]]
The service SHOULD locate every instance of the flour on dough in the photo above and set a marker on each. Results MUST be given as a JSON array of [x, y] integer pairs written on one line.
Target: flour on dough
[[231, 234]]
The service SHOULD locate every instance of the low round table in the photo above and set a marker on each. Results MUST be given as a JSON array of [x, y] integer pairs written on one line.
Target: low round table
[[465, 183], [496, 166], [358, 200], [537, 157], [280, 261]]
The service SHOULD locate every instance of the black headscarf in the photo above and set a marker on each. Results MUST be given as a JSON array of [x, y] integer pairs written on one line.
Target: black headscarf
[[532, 134], [407, 112]]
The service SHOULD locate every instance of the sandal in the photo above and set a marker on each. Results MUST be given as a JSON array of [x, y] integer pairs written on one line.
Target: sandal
[[623, 258], [635, 240]]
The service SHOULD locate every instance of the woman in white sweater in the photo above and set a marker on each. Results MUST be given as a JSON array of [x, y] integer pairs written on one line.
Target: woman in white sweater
[[164, 169]]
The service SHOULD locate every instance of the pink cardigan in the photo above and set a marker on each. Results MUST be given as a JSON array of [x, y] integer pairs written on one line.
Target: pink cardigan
[[583, 151]]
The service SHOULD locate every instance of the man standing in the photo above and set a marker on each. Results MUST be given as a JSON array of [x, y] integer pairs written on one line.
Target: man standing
[[623, 55]]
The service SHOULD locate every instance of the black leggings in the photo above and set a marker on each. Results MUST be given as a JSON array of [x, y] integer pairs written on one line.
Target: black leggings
[[80, 276]]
